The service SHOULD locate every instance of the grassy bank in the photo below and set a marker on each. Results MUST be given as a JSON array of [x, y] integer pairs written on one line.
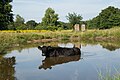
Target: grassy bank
[[109, 34], [14, 38]]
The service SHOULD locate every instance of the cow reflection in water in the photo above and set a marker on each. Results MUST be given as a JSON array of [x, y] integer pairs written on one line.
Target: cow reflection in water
[[52, 61], [58, 55], [7, 68]]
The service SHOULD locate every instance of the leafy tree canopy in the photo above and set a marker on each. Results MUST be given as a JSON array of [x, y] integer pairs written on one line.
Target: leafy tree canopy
[[19, 23], [5, 14], [50, 18], [19, 19], [74, 18], [108, 18], [31, 24]]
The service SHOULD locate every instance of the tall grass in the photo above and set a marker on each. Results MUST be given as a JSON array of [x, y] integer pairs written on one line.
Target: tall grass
[[108, 76], [109, 34], [13, 38], [10, 38]]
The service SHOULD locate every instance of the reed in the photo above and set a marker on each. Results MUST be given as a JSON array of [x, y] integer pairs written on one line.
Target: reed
[[109, 76]]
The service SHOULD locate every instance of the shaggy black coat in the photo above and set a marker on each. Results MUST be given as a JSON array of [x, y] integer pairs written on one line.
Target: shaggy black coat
[[49, 51]]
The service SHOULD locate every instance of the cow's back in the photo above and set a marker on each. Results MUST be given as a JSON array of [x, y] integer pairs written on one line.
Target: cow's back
[[64, 51]]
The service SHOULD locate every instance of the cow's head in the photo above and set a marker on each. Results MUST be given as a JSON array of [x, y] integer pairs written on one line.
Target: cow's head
[[45, 50]]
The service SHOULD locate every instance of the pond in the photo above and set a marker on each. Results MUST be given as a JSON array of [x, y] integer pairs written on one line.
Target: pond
[[29, 64]]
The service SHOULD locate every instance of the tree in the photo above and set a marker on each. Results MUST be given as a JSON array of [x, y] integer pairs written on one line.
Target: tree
[[74, 18], [63, 25], [11, 26], [50, 18], [31, 24], [19, 22], [108, 18], [6, 16], [39, 27]]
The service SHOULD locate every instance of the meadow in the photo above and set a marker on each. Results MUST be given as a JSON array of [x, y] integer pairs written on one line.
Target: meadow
[[11, 38]]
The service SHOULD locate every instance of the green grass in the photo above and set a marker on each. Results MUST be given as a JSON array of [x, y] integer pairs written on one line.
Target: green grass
[[109, 34], [8, 39]]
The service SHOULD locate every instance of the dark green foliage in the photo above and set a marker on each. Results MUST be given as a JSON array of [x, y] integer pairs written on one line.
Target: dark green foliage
[[50, 18], [64, 26], [11, 26], [94, 23], [19, 23], [19, 20], [21, 27], [49, 21], [74, 18], [39, 27], [52, 28], [31, 24], [60, 26], [6, 16], [108, 18]]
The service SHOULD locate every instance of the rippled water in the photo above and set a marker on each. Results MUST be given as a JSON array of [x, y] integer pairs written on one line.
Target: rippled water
[[31, 65]]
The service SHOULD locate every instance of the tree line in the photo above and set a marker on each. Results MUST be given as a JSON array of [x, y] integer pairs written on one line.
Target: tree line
[[49, 22], [108, 18]]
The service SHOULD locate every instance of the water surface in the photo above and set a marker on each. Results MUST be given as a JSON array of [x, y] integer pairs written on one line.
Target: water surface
[[31, 65]]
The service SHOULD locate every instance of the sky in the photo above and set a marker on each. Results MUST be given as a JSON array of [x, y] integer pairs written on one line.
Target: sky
[[35, 9]]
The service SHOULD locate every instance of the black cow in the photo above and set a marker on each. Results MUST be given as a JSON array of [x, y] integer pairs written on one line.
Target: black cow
[[49, 51], [49, 62]]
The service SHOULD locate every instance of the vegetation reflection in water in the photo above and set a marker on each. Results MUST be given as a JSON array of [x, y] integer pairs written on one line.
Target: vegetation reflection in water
[[31, 65], [7, 69]]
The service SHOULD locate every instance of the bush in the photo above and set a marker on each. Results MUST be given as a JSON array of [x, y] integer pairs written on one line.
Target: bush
[[39, 27], [52, 28]]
